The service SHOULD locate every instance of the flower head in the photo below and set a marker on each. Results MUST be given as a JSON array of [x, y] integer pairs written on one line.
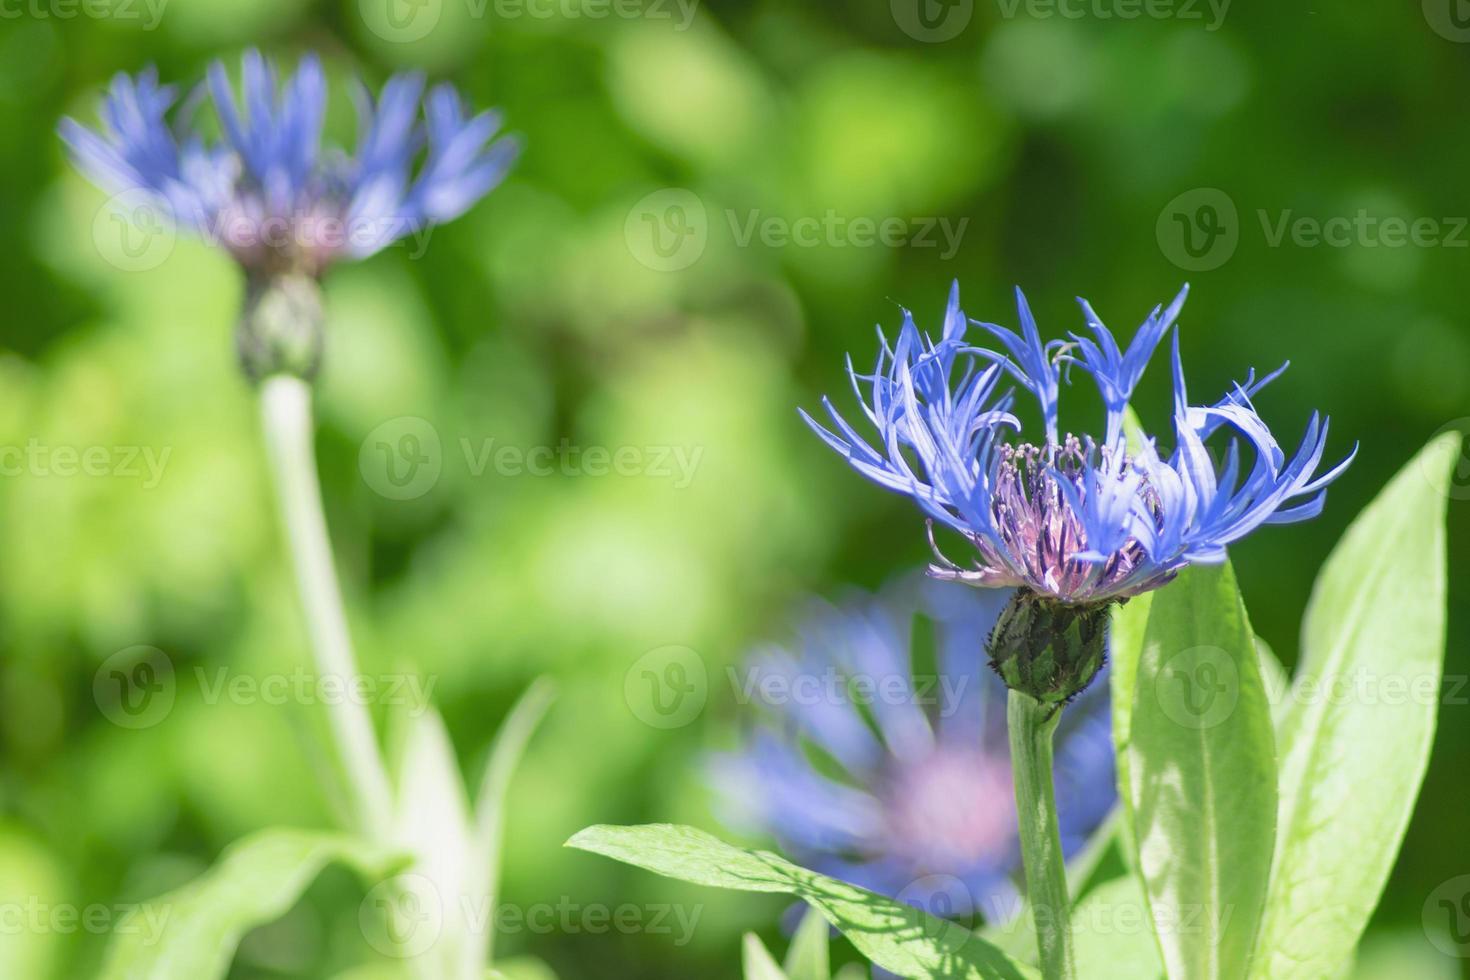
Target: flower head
[[1075, 520], [871, 768], [268, 191]]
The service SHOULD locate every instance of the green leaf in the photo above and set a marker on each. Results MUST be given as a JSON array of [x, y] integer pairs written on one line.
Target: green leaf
[[431, 822], [1130, 620], [256, 881], [809, 957], [758, 962], [1201, 769], [1111, 933], [489, 817], [1277, 683], [897, 937], [1359, 728]]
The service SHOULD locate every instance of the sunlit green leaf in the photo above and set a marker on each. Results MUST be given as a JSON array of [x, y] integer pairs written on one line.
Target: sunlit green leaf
[[900, 938], [1201, 770], [1357, 734]]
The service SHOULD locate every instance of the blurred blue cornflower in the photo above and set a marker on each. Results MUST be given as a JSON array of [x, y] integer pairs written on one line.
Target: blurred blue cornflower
[[876, 766], [1074, 521], [268, 192]]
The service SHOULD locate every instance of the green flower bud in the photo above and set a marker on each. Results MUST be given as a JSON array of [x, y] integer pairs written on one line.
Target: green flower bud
[[281, 326], [1047, 649]]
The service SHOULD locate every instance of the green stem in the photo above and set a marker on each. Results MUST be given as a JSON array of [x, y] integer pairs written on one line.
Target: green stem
[[1032, 725], [285, 404]]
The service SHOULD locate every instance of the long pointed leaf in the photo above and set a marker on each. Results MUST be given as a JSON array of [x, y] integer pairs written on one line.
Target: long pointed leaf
[[1202, 776], [1352, 764]]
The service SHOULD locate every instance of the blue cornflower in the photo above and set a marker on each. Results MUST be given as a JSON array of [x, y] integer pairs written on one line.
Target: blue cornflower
[[1075, 521], [867, 767], [268, 191]]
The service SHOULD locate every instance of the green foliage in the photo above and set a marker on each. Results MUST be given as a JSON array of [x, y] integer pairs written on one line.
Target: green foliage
[[1354, 753], [1202, 775], [256, 880], [900, 938]]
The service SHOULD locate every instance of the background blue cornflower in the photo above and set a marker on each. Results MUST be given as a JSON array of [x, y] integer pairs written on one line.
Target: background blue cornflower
[[1079, 520], [268, 191], [902, 785]]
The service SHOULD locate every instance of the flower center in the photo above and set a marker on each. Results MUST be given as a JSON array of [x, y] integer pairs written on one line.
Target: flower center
[[952, 810]]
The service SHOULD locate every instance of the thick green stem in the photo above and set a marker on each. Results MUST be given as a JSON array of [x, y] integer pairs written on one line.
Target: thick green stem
[[1032, 725], [285, 404]]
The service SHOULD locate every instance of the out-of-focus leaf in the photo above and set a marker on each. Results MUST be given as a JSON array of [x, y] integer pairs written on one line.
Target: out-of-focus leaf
[[900, 938], [809, 957], [489, 817], [1352, 764], [757, 961], [256, 880]]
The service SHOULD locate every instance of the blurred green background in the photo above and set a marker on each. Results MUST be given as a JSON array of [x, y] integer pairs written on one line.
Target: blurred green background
[[629, 286]]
